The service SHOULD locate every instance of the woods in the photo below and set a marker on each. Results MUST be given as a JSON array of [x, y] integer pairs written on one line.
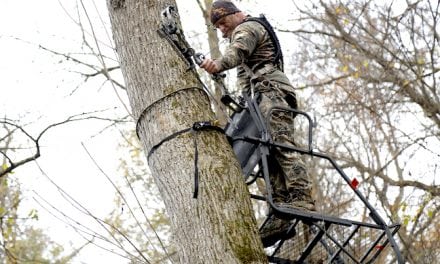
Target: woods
[[384, 91], [367, 71]]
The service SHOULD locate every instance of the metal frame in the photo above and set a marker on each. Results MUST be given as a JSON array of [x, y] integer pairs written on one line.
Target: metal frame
[[320, 221]]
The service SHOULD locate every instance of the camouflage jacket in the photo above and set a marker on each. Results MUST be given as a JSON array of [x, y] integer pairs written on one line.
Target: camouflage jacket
[[251, 45]]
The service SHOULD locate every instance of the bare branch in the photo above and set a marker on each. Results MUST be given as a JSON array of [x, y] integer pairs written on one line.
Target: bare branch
[[36, 140]]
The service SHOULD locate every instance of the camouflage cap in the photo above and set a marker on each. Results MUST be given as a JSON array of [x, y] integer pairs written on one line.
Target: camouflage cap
[[222, 8]]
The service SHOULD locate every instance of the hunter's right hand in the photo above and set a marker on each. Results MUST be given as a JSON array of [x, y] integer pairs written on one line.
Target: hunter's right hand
[[211, 66]]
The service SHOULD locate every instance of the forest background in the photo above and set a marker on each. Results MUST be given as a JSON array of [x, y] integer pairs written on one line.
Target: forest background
[[74, 182]]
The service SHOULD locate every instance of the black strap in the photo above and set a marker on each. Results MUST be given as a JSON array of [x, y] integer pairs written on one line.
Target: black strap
[[278, 60], [161, 99], [175, 134], [197, 126], [196, 167]]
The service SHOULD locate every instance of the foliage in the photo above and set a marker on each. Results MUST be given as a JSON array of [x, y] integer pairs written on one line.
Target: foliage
[[367, 70], [20, 242], [140, 213], [372, 74]]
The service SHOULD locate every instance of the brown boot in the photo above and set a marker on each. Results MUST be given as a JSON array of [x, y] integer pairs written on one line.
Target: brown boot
[[300, 205], [275, 229], [298, 199]]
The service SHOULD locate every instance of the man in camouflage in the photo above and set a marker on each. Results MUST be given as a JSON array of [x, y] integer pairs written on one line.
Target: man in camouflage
[[252, 51]]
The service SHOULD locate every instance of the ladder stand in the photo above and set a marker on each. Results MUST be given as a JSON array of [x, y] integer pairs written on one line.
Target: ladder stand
[[343, 240], [249, 136]]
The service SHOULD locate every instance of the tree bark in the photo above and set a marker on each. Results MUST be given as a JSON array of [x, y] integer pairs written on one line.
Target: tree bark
[[214, 52], [218, 226]]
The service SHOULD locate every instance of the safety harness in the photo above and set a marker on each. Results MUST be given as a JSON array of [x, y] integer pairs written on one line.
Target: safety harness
[[278, 58], [257, 72]]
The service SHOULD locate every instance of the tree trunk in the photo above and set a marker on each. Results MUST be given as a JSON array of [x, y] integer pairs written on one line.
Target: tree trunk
[[214, 52], [218, 226]]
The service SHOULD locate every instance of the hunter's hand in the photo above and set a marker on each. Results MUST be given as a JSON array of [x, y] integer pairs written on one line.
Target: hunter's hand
[[211, 66]]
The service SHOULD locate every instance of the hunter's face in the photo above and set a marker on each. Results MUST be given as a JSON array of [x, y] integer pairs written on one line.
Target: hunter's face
[[227, 24]]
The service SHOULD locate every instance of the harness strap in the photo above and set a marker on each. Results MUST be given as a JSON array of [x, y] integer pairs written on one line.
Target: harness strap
[[197, 126], [255, 73], [257, 76], [278, 60]]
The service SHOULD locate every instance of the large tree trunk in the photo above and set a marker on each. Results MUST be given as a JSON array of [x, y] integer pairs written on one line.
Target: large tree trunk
[[218, 226]]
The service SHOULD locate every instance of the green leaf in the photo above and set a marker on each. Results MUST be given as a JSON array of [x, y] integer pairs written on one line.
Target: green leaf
[[4, 182], [33, 214], [406, 219], [404, 205], [10, 221], [430, 213], [5, 167]]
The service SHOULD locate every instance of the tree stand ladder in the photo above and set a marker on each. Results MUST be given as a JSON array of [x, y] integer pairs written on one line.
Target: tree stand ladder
[[332, 239]]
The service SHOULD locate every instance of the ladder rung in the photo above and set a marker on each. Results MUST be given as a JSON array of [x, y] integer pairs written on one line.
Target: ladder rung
[[313, 243], [279, 260], [345, 243], [283, 240], [396, 228], [338, 244], [373, 246]]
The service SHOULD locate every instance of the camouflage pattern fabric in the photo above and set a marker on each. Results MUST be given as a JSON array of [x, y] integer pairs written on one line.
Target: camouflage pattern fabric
[[288, 172], [251, 46]]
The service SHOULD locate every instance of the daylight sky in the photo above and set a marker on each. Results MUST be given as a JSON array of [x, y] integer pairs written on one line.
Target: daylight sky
[[39, 88]]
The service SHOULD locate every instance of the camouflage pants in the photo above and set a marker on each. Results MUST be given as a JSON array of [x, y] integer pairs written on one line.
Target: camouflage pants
[[288, 174]]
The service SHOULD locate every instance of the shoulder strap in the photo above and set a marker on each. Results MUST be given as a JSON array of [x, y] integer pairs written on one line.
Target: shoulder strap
[[278, 60]]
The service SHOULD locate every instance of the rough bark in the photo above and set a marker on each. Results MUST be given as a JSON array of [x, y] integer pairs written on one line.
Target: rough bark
[[214, 52], [218, 226]]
